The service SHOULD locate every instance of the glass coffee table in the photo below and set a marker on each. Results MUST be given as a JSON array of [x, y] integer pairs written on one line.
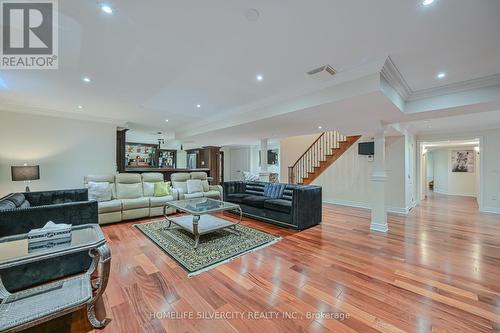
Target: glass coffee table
[[199, 220]]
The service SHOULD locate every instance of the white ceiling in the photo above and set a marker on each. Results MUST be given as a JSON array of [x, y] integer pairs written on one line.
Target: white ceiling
[[156, 60]]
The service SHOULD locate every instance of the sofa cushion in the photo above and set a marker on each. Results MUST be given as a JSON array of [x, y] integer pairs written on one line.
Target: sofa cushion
[[135, 203], [236, 197], [194, 186], [255, 200], [273, 191], [17, 199], [100, 191], [254, 188], [7, 205], [110, 206], [212, 194], [279, 205], [160, 201], [128, 191], [193, 195], [148, 189]]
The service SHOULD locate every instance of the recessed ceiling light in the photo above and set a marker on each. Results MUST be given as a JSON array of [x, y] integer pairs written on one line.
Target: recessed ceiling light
[[198, 106], [260, 77], [320, 127], [86, 79], [106, 8], [166, 120], [427, 2], [441, 75], [80, 106]]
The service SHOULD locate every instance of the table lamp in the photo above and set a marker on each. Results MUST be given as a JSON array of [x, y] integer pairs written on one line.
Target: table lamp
[[25, 173]]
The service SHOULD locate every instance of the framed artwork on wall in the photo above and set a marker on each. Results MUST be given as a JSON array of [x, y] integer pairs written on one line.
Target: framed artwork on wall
[[463, 161]]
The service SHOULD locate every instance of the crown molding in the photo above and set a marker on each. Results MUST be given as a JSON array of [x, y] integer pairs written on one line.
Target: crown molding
[[395, 79], [482, 82]]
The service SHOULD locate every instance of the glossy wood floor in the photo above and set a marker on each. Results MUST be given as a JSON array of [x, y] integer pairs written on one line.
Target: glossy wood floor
[[437, 270]]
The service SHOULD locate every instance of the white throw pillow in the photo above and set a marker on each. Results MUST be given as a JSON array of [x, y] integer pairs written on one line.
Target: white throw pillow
[[128, 191], [194, 186], [148, 189], [206, 187], [182, 186], [100, 191]]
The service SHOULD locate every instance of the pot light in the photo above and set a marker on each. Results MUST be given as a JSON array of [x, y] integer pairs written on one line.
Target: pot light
[[106, 8], [86, 79], [198, 106], [80, 107], [320, 127], [441, 75], [166, 120], [427, 2], [260, 77]]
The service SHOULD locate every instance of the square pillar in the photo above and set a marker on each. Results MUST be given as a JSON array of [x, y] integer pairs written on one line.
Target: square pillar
[[378, 179]]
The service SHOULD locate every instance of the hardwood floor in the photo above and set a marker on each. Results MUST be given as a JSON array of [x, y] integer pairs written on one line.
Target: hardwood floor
[[437, 270]]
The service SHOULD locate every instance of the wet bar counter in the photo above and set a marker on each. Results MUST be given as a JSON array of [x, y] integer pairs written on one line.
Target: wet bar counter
[[165, 171]]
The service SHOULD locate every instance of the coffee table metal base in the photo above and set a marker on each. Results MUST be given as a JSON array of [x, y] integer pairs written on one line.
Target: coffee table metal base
[[202, 224]]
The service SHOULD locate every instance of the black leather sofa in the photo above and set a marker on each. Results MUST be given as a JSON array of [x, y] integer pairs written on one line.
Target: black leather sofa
[[21, 212], [287, 205]]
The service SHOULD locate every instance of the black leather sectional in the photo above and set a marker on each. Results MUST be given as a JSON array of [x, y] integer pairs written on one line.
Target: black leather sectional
[[287, 205], [21, 212]]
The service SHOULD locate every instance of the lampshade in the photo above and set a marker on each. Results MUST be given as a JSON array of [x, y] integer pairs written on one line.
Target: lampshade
[[25, 172]]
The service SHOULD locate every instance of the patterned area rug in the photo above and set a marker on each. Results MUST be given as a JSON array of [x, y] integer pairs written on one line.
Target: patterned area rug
[[214, 249]]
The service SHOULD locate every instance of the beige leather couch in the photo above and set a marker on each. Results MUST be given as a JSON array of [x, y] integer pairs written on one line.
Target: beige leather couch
[[179, 183], [132, 197]]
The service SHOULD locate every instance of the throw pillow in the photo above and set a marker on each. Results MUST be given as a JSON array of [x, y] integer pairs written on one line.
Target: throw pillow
[[148, 189], [194, 186], [100, 191], [181, 186], [273, 191], [162, 189], [205, 185], [7, 205]]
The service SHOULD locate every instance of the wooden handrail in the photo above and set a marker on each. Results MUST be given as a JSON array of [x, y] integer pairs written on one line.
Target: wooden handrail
[[298, 160]]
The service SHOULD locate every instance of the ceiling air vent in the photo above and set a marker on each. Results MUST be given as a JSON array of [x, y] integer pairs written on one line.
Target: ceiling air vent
[[322, 73]]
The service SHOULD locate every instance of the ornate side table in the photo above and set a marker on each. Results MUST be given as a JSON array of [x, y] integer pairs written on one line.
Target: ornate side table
[[27, 308]]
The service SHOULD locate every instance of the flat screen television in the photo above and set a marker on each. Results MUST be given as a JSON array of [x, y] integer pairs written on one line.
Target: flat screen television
[[366, 148], [272, 157]]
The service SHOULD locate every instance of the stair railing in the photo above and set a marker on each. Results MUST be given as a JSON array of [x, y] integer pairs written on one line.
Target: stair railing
[[317, 152]]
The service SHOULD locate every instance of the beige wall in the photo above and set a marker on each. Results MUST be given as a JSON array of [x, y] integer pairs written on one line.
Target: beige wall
[[66, 150], [347, 181]]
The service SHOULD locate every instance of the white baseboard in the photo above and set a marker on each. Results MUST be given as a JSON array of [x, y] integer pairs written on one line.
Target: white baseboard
[[364, 205], [491, 210], [439, 191], [379, 227]]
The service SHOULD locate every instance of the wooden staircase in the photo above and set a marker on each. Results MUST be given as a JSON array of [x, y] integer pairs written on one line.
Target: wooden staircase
[[322, 153]]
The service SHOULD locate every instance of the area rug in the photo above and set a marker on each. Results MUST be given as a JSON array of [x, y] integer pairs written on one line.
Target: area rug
[[214, 249]]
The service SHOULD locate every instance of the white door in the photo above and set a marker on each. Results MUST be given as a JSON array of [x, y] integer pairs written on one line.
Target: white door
[[240, 161]]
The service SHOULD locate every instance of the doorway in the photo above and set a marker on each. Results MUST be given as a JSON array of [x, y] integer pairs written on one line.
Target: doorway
[[450, 168]]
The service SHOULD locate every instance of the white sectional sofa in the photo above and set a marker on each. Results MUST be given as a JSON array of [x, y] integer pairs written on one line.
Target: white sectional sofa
[[132, 197]]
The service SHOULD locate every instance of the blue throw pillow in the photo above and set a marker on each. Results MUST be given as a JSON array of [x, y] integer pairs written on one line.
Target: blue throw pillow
[[273, 191]]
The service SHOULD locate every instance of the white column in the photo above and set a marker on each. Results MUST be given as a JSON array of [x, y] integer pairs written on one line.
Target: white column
[[379, 178], [263, 175]]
